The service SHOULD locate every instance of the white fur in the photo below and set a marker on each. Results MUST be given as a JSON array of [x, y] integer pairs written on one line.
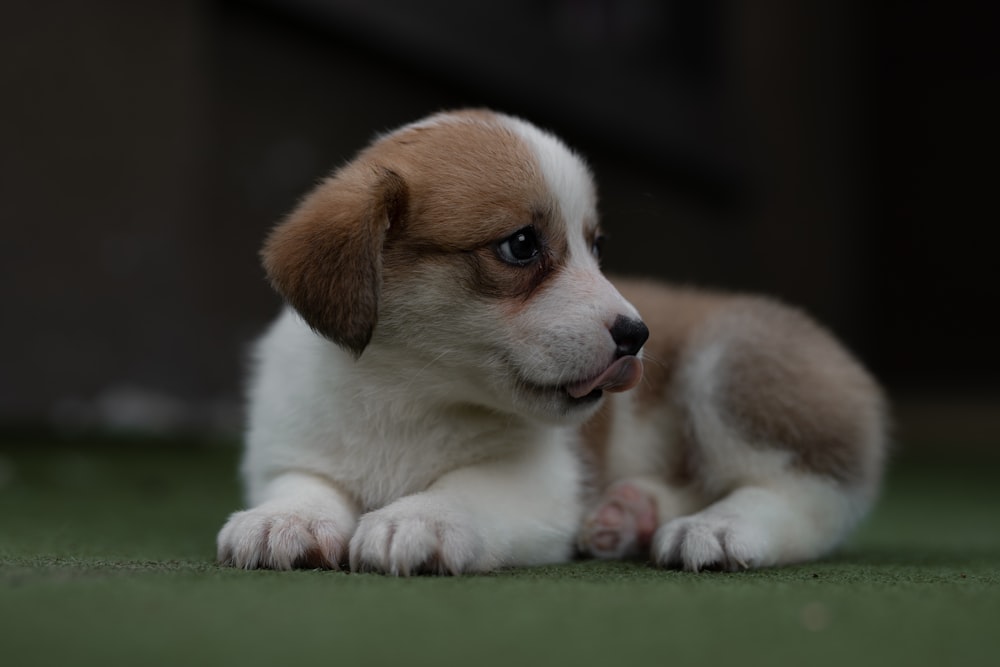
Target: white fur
[[429, 480], [564, 172], [789, 518]]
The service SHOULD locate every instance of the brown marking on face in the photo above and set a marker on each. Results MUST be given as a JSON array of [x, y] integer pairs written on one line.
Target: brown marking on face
[[786, 383], [471, 179], [491, 275]]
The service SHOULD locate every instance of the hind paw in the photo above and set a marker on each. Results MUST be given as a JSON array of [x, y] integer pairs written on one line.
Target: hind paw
[[621, 526]]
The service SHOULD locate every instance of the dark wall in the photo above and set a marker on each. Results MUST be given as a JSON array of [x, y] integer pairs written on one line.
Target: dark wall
[[837, 156], [930, 82]]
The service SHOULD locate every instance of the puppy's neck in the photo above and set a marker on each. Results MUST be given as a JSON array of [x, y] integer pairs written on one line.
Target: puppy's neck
[[396, 385]]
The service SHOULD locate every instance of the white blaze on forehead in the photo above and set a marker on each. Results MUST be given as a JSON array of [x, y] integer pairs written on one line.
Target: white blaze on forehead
[[565, 173]]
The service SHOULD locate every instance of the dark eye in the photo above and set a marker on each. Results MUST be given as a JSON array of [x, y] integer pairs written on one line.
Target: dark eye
[[520, 248], [598, 247]]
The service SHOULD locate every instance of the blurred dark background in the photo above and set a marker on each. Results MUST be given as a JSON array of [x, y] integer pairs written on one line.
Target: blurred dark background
[[840, 155]]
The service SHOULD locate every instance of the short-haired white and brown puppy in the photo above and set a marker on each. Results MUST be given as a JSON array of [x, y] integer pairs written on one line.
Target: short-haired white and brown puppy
[[434, 400]]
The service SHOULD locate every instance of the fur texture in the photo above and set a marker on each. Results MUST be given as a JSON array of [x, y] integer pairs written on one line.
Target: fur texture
[[435, 397]]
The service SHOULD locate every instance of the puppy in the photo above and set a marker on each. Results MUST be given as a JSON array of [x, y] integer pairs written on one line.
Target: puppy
[[448, 390]]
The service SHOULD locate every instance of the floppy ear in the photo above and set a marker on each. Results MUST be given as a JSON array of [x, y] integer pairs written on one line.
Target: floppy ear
[[326, 257]]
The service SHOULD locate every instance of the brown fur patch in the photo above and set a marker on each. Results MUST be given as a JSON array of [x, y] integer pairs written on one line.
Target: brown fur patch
[[786, 383], [326, 257], [472, 181]]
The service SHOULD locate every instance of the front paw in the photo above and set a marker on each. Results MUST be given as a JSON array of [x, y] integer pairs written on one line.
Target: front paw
[[416, 536], [283, 539], [708, 542]]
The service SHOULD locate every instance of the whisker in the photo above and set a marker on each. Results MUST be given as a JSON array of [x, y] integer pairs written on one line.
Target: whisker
[[416, 376], [648, 358]]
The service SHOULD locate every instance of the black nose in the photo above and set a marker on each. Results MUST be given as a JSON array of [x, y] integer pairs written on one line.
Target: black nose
[[629, 335]]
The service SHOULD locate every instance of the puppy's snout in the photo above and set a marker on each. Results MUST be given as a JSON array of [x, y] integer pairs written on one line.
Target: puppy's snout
[[629, 336]]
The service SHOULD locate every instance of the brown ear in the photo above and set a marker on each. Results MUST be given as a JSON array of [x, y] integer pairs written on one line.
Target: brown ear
[[326, 257]]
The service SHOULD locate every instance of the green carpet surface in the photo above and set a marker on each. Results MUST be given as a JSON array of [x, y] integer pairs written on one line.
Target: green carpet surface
[[106, 558]]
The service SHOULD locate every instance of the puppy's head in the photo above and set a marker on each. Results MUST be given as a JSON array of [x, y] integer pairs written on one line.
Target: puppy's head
[[464, 248]]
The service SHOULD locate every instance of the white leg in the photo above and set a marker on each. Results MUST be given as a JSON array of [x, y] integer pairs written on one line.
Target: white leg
[[514, 512], [790, 520], [304, 521]]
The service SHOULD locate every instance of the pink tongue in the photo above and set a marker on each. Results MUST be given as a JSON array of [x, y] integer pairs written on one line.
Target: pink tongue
[[622, 375]]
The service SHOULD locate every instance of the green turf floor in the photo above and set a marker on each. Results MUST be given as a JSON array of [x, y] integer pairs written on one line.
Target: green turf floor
[[106, 559]]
